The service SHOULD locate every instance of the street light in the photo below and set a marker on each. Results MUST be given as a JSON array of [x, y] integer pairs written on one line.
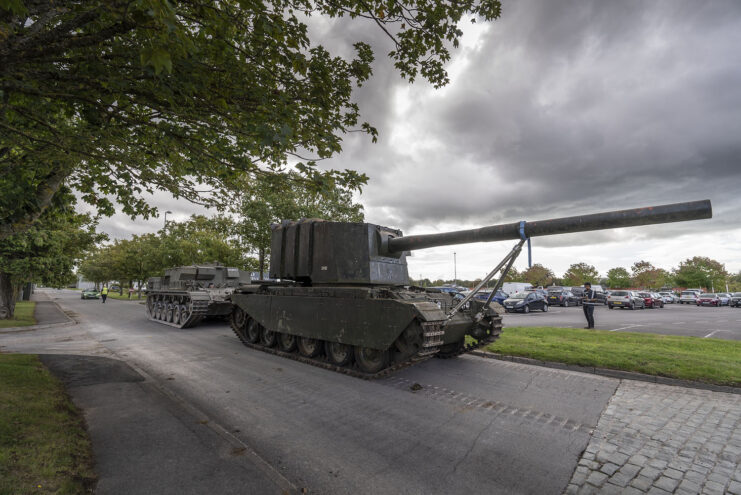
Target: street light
[[168, 211], [455, 271]]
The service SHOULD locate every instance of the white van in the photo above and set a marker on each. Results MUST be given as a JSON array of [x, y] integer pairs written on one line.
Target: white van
[[516, 287]]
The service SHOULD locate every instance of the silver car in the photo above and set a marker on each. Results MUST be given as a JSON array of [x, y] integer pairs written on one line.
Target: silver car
[[625, 299], [688, 297], [669, 298]]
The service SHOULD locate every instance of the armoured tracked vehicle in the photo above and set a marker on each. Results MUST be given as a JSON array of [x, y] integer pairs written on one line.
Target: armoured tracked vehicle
[[343, 300], [187, 294]]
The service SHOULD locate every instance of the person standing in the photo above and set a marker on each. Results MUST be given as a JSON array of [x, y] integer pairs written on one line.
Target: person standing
[[588, 304], [104, 293]]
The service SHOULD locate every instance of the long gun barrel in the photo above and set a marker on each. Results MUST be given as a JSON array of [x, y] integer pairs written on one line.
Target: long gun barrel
[[677, 212]]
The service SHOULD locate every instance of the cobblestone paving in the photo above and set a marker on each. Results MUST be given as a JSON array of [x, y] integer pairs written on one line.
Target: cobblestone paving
[[658, 439]]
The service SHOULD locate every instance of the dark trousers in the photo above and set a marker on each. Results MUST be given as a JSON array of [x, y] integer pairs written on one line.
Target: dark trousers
[[103, 296], [589, 313]]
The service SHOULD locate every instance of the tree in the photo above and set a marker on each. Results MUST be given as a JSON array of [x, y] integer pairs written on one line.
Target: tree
[[701, 272], [197, 240], [46, 252], [538, 276], [578, 273], [647, 276], [117, 98], [618, 278], [513, 275], [271, 199]]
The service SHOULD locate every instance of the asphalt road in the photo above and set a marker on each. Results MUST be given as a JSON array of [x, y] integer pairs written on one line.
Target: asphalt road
[[672, 319], [475, 426]]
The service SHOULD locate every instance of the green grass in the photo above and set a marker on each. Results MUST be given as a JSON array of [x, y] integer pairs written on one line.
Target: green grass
[[134, 296], [23, 316], [44, 447], [688, 358]]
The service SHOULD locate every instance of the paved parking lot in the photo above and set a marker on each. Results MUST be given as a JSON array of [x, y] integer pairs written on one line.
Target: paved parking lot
[[672, 319]]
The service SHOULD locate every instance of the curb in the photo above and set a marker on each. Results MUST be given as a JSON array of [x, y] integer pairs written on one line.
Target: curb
[[28, 328], [623, 375]]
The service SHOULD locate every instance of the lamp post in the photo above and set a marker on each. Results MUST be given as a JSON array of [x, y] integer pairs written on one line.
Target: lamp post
[[455, 271], [168, 211]]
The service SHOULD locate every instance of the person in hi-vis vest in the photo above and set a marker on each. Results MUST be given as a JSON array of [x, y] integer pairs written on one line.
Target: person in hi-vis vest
[[588, 304], [104, 293]]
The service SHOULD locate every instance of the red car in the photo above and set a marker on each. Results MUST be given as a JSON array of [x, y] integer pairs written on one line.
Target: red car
[[709, 300], [652, 300]]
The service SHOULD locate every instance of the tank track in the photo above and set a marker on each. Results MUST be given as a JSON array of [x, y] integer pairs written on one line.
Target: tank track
[[463, 349], [198, 310], [430, 348]]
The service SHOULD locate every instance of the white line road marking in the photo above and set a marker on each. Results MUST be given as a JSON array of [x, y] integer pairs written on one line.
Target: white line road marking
[[623, 328], [713, 333]]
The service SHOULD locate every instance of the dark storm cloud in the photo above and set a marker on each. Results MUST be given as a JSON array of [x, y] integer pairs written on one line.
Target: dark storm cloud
[[566, 107]]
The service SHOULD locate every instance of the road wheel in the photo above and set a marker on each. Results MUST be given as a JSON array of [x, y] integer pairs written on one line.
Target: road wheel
[[184, 313], [253, 331], [337, 353], [176, 317], [545, 308], [371, 360], [268, 338], [287, 342], [526, 309], [309, 347]]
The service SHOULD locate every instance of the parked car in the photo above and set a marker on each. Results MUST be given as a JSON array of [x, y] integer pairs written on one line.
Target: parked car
[[451, 290], [652, 299], [525, 302], [625, 299], [688, 297], [669, 298], [562, 297], [90, 294], [657, 299], [600, 296], [709, 299], [736, 300], [578, 293], [499, 297], [725, 298], [540, 291]]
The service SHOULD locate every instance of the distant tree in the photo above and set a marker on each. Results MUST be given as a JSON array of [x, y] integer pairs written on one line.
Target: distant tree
[[538, 275], [701, 272], [618, 278], [734, 282], [513, 275], [647, 276], [273, 198], [45, 253], [578, 273]]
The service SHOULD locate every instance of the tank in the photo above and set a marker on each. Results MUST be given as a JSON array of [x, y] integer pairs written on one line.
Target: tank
[[187, 294], [343, 301]]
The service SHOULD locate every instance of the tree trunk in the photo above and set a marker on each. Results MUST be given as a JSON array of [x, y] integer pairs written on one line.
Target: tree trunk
[[7, 297], [262, 262]]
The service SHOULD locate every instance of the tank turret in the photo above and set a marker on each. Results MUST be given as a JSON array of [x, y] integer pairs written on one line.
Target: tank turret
[[314, 252], [187, 294], [342, 303]]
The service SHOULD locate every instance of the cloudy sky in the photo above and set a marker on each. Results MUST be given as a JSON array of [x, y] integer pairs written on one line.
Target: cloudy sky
[[559, 108]]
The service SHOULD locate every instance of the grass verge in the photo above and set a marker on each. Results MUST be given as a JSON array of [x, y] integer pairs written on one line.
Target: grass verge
[[23, 316], [44, 447], [125, 297], [687, 358]]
